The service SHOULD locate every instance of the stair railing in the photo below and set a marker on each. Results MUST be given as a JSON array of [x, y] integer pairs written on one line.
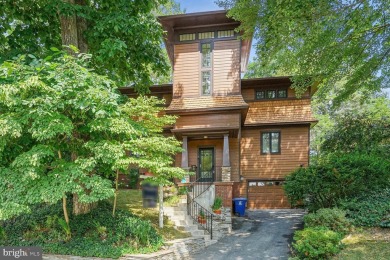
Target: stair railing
[[196, 211]]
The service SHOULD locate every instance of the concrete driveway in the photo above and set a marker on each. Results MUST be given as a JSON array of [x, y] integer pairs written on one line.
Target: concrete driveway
[[263, 234]]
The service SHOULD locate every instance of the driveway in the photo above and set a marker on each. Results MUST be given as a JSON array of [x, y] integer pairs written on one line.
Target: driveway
[[262, 234]]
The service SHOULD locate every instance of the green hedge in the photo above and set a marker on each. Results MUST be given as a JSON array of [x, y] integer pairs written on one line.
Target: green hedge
[[371, 209], [337, 177], [317, 243], [333, 219], [96, 234]]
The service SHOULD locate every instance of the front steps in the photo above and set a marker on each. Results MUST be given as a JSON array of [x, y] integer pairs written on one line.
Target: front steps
[[178, 215]]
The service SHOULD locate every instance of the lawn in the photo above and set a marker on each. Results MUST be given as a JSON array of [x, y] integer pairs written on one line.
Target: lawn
[[132, 200], [366, 244]]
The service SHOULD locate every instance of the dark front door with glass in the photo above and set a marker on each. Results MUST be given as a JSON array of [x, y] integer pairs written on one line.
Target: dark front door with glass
[[206, 165]]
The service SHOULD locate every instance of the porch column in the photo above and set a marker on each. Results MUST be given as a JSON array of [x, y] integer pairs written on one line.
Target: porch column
[[184, 153], [226, 159]]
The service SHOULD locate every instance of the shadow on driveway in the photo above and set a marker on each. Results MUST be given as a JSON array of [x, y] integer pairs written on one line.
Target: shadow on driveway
[[262, 234]]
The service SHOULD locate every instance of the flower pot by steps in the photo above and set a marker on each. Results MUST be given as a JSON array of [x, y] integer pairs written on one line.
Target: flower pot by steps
[[217, 211], [202, 220]]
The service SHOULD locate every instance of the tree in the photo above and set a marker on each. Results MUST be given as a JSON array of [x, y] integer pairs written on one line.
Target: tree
[[66, 130], [123, 36], [324, 41], [361, 123]]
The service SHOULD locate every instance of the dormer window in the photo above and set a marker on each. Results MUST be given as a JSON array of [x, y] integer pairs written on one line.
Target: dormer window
[[206, 75]]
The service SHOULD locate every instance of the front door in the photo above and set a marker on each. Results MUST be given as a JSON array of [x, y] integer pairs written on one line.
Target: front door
[[206, 164]]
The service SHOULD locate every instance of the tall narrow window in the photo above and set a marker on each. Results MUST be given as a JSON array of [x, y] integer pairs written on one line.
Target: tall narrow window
[[206, 76], [270, 142]]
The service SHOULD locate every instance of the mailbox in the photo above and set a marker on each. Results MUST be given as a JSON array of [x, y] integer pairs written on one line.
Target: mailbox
[[149, 195]]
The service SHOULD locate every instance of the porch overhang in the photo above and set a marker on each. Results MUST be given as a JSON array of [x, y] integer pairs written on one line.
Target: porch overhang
[[205, 133]]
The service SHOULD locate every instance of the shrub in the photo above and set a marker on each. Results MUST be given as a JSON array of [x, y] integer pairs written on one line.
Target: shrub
[[370, 210], [337, 177], [333, 219], [96, 234], [217, 203], [317, 243], [134, 175]]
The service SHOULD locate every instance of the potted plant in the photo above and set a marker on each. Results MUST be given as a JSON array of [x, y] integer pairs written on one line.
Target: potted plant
[[202, 217], [217, 205]]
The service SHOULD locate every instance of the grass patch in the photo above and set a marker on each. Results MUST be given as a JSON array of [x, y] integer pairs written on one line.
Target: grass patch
[[131, 200], [366, 244], [378, 250]]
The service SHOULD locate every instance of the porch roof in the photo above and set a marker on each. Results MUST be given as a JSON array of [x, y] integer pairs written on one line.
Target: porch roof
[[206, 133]]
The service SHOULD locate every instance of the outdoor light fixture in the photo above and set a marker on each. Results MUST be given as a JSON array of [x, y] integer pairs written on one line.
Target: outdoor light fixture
[[193, 168]]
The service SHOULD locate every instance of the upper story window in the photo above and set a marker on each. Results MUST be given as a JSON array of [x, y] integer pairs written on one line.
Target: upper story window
[[206, 35], [187, 37], [270, 94], [206, 72], [270, 142], [227, 33], [206, 55]]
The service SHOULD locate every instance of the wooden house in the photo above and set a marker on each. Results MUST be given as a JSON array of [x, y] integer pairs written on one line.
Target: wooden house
[[243, 135]]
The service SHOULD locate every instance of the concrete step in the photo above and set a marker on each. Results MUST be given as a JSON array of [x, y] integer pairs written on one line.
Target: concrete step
[[183, 223], [174, 209], [198, 232], [176, 213], [210, 242], [190, 228]]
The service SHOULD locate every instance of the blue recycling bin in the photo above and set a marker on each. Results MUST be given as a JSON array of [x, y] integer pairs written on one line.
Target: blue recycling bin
[[239, 206]]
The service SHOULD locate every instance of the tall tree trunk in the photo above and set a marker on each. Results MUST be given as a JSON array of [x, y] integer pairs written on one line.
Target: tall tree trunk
[[65, 210], [81, 28], [116, 193], [80, 207], [69, 29], [72, 33]]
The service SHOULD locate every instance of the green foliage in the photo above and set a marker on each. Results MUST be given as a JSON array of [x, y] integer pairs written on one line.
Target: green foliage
[[96, 234], [361, 123], [333, 219], [182, 190], [66, 228], [134, 175], [337, 177], [123, 36], [371, 209], [367, 130], [217, 203], [316, 243], [202, 214], [318, 41], [66, 130]]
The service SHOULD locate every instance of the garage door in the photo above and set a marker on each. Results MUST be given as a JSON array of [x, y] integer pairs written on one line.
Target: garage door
[[266, 194]]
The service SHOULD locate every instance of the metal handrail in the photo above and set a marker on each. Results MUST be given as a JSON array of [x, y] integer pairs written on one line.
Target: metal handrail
[[194, 209]]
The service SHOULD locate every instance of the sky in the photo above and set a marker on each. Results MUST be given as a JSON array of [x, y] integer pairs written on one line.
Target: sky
[[193, 6]]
